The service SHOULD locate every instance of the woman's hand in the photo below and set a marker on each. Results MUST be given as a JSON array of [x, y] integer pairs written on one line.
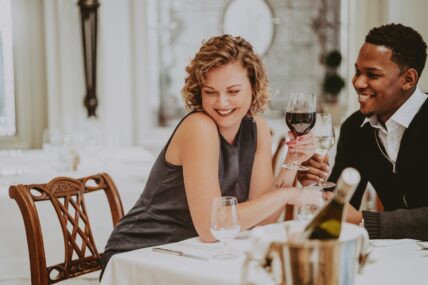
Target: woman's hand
[[301, 148], [297, 196]]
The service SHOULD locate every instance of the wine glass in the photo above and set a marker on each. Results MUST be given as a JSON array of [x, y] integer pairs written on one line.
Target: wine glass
[[311, 201], [324, 137], [300, 117], [224, 223]]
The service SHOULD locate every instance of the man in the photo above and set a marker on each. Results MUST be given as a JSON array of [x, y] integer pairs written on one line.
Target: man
[[387, 139]]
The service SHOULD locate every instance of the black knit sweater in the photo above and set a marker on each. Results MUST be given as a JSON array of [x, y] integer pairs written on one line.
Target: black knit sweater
[[404, 193]]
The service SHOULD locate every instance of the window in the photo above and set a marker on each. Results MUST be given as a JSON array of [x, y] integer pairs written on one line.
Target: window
[[7, 98]]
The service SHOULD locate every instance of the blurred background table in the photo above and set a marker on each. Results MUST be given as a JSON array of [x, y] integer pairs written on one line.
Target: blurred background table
[[129, 168]]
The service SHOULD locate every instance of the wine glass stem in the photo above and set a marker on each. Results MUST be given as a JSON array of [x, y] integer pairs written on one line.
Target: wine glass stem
[[295, 162], [321, 180], [225, 247]]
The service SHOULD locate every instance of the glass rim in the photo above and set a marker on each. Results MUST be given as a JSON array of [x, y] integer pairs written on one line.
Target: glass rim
[[226, 198]]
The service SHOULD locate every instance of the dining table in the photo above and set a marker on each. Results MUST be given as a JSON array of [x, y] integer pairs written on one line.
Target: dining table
[[129, 168], [392, 262]]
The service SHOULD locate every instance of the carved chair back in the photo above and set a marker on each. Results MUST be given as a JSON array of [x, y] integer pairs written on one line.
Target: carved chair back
[[67, 198]]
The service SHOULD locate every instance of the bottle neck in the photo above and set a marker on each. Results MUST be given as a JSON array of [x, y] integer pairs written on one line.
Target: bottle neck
[[342, 192]]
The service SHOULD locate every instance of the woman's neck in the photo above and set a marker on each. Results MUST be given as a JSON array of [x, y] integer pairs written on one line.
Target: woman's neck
[[229, 134]]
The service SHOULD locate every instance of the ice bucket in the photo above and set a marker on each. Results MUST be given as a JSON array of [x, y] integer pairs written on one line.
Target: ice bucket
[[309, 262]]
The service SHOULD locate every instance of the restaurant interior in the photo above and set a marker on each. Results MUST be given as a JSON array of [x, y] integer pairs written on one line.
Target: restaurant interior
[[92, 88]]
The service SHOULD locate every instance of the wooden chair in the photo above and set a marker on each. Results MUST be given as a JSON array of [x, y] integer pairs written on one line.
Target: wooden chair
[[379, 205], [65, 194], [276, 161]]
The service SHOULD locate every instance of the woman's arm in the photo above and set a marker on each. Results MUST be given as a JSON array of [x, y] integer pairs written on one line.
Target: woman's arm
[[262, 179], [196, 147]]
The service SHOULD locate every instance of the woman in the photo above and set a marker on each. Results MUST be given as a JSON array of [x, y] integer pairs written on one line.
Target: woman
[[220, 148]]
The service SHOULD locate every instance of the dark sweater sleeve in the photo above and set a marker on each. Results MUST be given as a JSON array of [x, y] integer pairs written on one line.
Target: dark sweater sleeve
[[401, 223]]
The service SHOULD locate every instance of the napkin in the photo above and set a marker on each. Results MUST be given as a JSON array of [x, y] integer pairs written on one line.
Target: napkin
[[390, 242]]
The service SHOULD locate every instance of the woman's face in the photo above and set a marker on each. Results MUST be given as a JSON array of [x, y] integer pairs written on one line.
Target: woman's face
[[226, 96]]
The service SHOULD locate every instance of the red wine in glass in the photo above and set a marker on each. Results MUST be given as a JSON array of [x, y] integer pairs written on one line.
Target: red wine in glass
[[300, 123], [300, 117]]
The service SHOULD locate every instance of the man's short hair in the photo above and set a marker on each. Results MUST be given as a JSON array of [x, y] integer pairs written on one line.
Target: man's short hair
[[407, 45]]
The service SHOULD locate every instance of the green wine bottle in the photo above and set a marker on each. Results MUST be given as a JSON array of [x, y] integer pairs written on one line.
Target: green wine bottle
[[327, 224]]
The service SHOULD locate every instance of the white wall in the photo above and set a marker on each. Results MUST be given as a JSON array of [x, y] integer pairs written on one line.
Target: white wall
[[411, 13], [29, 73], [49, 72], [121, 66], [49, 64]]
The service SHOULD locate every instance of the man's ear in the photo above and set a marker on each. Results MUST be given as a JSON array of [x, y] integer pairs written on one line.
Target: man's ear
[[410, 78]]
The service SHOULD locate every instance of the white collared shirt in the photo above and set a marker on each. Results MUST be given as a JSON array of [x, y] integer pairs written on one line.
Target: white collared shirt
[[397, 123]]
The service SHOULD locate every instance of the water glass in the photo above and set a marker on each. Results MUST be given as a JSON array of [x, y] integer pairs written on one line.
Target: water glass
[[224, 223], [311, 201]]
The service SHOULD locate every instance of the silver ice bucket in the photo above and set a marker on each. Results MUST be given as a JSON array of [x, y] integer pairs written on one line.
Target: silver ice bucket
[[310, 262]]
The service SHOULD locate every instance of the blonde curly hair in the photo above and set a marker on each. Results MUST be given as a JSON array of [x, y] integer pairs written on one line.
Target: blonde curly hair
[[220, 51]]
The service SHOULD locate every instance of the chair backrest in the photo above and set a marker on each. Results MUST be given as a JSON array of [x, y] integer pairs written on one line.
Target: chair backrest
[[379, 205], [67, 197], [276, 164]]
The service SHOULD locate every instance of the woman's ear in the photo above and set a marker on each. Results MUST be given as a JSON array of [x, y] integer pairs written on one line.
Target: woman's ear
[[410, 77]]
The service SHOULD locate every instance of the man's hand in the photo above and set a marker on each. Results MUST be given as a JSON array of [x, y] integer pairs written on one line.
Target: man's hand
[[318, 170], [353, 215]]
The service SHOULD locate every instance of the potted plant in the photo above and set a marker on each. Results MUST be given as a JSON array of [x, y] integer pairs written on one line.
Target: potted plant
[[332, 83]]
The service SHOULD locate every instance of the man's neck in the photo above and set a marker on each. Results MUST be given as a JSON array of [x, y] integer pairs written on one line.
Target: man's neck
[[405, 96]]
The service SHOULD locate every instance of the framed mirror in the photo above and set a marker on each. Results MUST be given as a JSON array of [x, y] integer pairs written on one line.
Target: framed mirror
[[251, 19]]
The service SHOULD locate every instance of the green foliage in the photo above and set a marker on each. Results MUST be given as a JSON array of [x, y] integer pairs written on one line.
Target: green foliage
[[333, 59], [332, 84]]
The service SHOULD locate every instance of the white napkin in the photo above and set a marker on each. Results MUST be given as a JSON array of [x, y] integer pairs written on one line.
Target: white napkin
[[390, 242]]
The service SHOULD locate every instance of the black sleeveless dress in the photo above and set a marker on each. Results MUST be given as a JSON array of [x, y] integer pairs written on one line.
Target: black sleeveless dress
[[161, 214]]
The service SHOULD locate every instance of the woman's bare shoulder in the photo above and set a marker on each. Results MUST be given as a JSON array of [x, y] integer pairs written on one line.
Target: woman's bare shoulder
[[198, 121], [197, 128], [197, 133], [262, 125]]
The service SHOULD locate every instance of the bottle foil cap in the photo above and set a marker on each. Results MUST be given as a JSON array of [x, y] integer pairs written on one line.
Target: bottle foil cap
[[351, 176]]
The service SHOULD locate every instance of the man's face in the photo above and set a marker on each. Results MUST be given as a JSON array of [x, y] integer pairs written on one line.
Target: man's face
[[378, 82]]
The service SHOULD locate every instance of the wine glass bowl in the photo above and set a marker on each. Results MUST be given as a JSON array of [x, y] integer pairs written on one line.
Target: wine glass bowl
[[324, 138], [224, 223], [300, 123], [300, 118]]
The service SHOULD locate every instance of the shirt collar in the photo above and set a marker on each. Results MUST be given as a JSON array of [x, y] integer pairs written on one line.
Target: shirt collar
[[405, 114]]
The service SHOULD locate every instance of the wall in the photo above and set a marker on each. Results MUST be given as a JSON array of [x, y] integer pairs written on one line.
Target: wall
[[49, 63], [292, 62], [412, 13], [366, 14], [29, 74], [121, 67]]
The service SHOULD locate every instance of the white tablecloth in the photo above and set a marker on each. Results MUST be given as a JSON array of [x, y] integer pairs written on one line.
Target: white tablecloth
[[129, 169], [391, 262]]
